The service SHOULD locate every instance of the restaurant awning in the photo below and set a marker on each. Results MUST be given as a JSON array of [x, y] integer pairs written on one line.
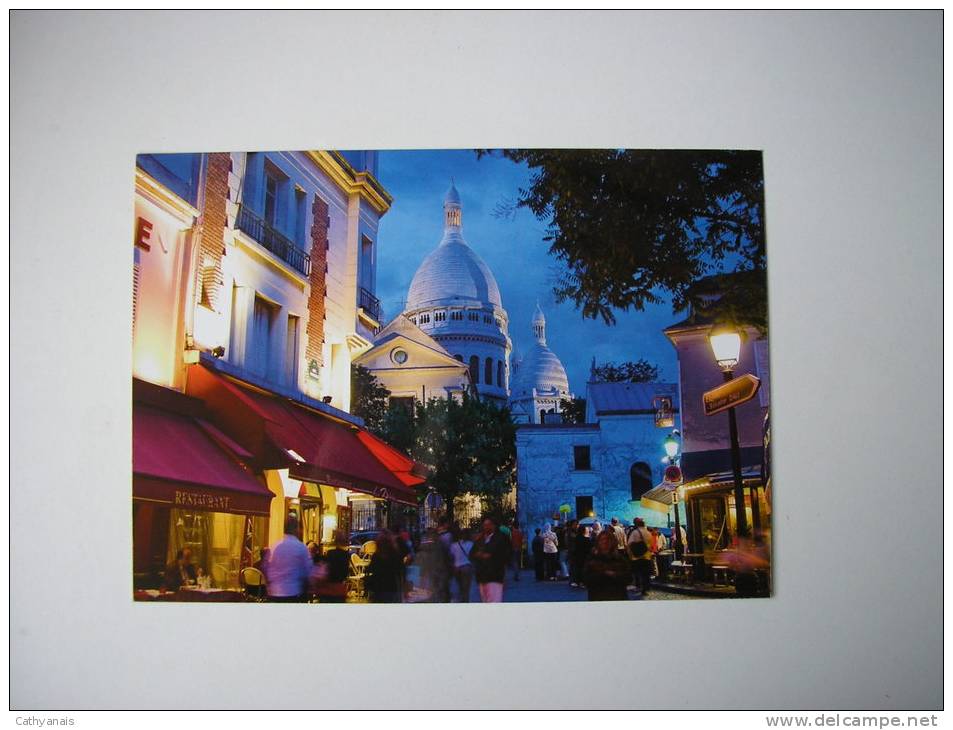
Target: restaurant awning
[[282, 433], [410, 472], [659, 498], [176, 462]]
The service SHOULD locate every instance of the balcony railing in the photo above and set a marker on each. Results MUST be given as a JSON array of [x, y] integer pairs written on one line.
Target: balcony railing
[[272, 239], [370, 304]]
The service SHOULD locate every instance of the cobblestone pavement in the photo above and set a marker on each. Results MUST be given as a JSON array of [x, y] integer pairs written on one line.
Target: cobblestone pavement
[[528, 589]]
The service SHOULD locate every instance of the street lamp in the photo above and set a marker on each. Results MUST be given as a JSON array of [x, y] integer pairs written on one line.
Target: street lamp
[[671, 448], [726, 346]]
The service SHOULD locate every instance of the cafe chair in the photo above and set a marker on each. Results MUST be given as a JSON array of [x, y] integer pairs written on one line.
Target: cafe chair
[[355, 580], [369, 548], [219, 576], [253, 584]]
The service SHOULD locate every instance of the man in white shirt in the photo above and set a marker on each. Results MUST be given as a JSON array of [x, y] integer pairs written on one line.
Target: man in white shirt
[[289, 566]]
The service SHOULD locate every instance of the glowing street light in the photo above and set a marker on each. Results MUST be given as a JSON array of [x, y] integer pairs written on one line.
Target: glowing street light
[[671, 448], [726, 347], [726, 344]]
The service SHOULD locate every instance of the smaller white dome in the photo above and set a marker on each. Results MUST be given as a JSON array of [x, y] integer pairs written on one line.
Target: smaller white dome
[[542, 370]]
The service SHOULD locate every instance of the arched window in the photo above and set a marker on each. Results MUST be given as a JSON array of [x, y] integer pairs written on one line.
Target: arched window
[[542, 414], [475, 369], [499, 373], [488, 371], [640, 475], [459, 357]]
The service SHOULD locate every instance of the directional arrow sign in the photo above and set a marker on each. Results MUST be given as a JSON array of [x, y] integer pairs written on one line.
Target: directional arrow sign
[[733, 393]]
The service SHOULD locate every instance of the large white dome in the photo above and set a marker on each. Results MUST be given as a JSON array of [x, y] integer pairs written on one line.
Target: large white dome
[[453, 274]]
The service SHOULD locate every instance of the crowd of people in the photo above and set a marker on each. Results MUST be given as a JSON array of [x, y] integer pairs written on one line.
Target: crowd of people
[[607, 561], [445, 564]]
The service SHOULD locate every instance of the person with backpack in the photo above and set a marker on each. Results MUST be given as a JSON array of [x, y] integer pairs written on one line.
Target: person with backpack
[[640, 553]]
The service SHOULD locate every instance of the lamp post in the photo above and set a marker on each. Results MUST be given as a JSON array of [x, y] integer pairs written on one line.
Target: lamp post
[[726, 346], [671, 449]]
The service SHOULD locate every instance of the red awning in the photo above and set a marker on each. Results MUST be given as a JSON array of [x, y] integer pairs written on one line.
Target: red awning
[[175, 462], [403, 467], [284, 434]]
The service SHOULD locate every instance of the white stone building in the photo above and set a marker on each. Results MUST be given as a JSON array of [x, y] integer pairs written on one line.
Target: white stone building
[[454, 299], [600, 468], [539, 379]]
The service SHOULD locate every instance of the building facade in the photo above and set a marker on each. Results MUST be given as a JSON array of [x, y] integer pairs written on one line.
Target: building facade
[[600, 468], [254, 277], [708, 488]]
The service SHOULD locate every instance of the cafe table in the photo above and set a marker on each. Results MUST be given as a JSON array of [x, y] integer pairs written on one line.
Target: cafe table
[[191, 594]]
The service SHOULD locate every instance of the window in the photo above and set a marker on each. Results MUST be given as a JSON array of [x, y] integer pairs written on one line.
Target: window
[[301, 219], [413, 320], [488, 371], [456, 316], [581, 461], [487, 319], [367, 264], [424, 319], [259, 345], [291, 351], [399, 355], [499, 373], [458, 357], [640, 476], [474, 316], [440, 317], [178, 172], [403, 403], [271, 198], [584, 507], [475, 369]]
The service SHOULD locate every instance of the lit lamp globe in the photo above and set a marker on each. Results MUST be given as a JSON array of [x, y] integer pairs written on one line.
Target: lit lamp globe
[[726, 345], [671, 447]]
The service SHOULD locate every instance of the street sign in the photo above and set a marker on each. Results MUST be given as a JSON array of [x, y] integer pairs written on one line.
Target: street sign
[[730, 394]]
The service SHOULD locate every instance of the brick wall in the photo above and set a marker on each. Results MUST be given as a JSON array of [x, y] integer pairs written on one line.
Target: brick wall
[[319, 267], [214, 224]]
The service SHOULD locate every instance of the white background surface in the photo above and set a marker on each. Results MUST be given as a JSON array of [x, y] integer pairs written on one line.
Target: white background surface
[[847, 108]]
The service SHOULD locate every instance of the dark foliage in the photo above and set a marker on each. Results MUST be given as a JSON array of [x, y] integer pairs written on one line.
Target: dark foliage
[[630, 226]]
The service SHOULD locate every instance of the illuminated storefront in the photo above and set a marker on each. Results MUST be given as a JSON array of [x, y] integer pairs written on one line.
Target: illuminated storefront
[[190, 490], [710, 509]]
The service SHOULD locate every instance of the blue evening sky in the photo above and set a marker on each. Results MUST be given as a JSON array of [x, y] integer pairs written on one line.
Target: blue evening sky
[[514, 250]]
